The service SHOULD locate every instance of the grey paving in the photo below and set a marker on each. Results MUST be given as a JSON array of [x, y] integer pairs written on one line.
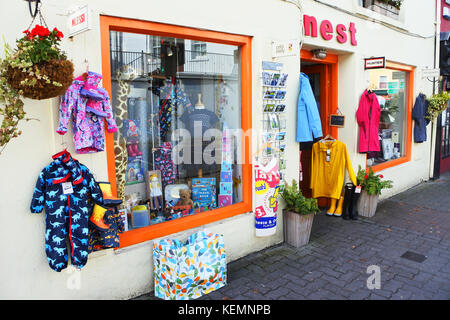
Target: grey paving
[[333, 266]]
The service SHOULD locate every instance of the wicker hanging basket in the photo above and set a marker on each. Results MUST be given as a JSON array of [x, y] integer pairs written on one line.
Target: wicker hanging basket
[[60, 71]]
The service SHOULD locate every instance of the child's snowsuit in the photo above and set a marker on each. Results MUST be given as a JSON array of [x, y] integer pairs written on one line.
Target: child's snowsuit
[[66, 210]]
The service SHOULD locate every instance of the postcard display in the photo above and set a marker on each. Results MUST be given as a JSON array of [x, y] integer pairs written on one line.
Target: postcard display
[[270, 170]]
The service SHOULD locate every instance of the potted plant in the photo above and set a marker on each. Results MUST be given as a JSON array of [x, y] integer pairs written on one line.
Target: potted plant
[[438, 103], [298, 215], [35, 69], [371, 184]]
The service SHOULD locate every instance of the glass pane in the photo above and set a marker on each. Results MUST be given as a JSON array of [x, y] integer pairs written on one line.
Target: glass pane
[[178, 147], [392, 97]]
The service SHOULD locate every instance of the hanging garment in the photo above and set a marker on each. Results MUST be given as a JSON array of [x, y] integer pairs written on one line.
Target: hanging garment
[[88, 114], [267, 180], [173, 101], [329, 160], [308, 117], [420, 122], [67, 208], [368, 117], [165, 164]]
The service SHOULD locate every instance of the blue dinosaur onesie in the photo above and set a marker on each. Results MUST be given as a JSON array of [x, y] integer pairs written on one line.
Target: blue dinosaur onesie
[[64, 189]]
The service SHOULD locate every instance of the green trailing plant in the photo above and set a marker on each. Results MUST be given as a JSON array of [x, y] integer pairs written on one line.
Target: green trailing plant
[[437, 104], [372, 183], [296, 201]]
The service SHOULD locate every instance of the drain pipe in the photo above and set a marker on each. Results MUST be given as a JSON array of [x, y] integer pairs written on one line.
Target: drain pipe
[[435, 144]]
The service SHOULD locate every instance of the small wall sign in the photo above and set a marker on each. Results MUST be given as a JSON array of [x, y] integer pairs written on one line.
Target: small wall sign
[[337, 120], [285, 48], [375, 63], [79, 21]]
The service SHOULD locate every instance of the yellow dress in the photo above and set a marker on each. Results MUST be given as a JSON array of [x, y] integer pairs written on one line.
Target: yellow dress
[[327, 177]]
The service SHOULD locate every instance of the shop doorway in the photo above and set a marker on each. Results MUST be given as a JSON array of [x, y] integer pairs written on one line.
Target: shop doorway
[[324, 83], [444, 165]]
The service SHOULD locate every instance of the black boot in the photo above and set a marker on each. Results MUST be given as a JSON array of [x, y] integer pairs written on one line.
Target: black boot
[[354, 206], [348, 192]]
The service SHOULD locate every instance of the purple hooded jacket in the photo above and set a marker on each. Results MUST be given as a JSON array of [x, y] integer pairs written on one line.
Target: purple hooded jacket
[[88, 114]]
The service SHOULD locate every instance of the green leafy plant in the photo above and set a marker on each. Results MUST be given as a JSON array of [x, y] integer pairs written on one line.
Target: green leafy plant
[[296, 202], [438, 103], [371, 182]]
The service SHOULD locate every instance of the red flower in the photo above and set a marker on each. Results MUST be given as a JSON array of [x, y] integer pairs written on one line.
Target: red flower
[[28, 34], [59, 34], [366, 176], [381, 176], [40, 31]]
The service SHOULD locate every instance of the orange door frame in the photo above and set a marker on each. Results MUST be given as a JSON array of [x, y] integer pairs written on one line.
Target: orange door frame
[[107, 24], [329, 86]]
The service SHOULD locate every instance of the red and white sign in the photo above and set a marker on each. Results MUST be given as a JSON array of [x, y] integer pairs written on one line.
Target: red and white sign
[[375, 63], [79, 21]]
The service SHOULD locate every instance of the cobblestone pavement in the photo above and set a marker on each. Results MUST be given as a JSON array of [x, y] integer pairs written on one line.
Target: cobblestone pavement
[[334, 263]]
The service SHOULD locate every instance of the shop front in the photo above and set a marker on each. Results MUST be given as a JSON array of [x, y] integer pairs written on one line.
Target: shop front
[[192, 114], [339, 46], [185, 127]]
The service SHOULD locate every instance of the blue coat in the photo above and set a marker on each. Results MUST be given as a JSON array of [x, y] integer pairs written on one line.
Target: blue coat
[[418, 114], [308, 117]]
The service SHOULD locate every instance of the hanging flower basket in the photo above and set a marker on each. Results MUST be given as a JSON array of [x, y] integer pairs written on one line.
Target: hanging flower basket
[[58, 72], [37, 68]]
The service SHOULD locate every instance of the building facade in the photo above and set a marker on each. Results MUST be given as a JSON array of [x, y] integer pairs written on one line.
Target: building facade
[[213, 55]]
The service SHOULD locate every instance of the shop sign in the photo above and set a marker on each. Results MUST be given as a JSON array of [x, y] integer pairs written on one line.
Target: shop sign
[[430, 73], [393, 85], [374, 63], [327, 30], [392, 91], [79, 21], [285, 48]]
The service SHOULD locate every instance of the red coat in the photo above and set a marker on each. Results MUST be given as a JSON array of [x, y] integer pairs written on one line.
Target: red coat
[[368, 117]]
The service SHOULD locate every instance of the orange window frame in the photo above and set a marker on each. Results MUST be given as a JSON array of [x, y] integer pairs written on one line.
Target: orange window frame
[[409, 105], [107, 24]]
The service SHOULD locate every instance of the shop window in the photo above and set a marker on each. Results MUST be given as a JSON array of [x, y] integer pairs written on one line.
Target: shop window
[[198, 49], [392, 87], [180, 158], [390, 8]]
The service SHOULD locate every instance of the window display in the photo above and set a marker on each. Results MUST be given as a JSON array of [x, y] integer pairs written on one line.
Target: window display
[[392, 97], [175, 150]]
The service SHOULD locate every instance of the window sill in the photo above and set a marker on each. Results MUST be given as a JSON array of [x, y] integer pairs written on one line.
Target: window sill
[[162, 229], [199, 59], [389, 164], [367, 13]]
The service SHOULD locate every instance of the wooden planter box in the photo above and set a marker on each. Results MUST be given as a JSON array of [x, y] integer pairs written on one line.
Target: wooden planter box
[[367, 204], [297, 228]]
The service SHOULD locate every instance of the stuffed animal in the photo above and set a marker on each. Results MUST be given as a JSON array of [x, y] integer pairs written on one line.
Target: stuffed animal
[[185, 198]]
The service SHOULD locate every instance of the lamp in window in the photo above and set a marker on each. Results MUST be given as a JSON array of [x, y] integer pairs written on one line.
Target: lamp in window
[[319, 53], [169, 52]]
